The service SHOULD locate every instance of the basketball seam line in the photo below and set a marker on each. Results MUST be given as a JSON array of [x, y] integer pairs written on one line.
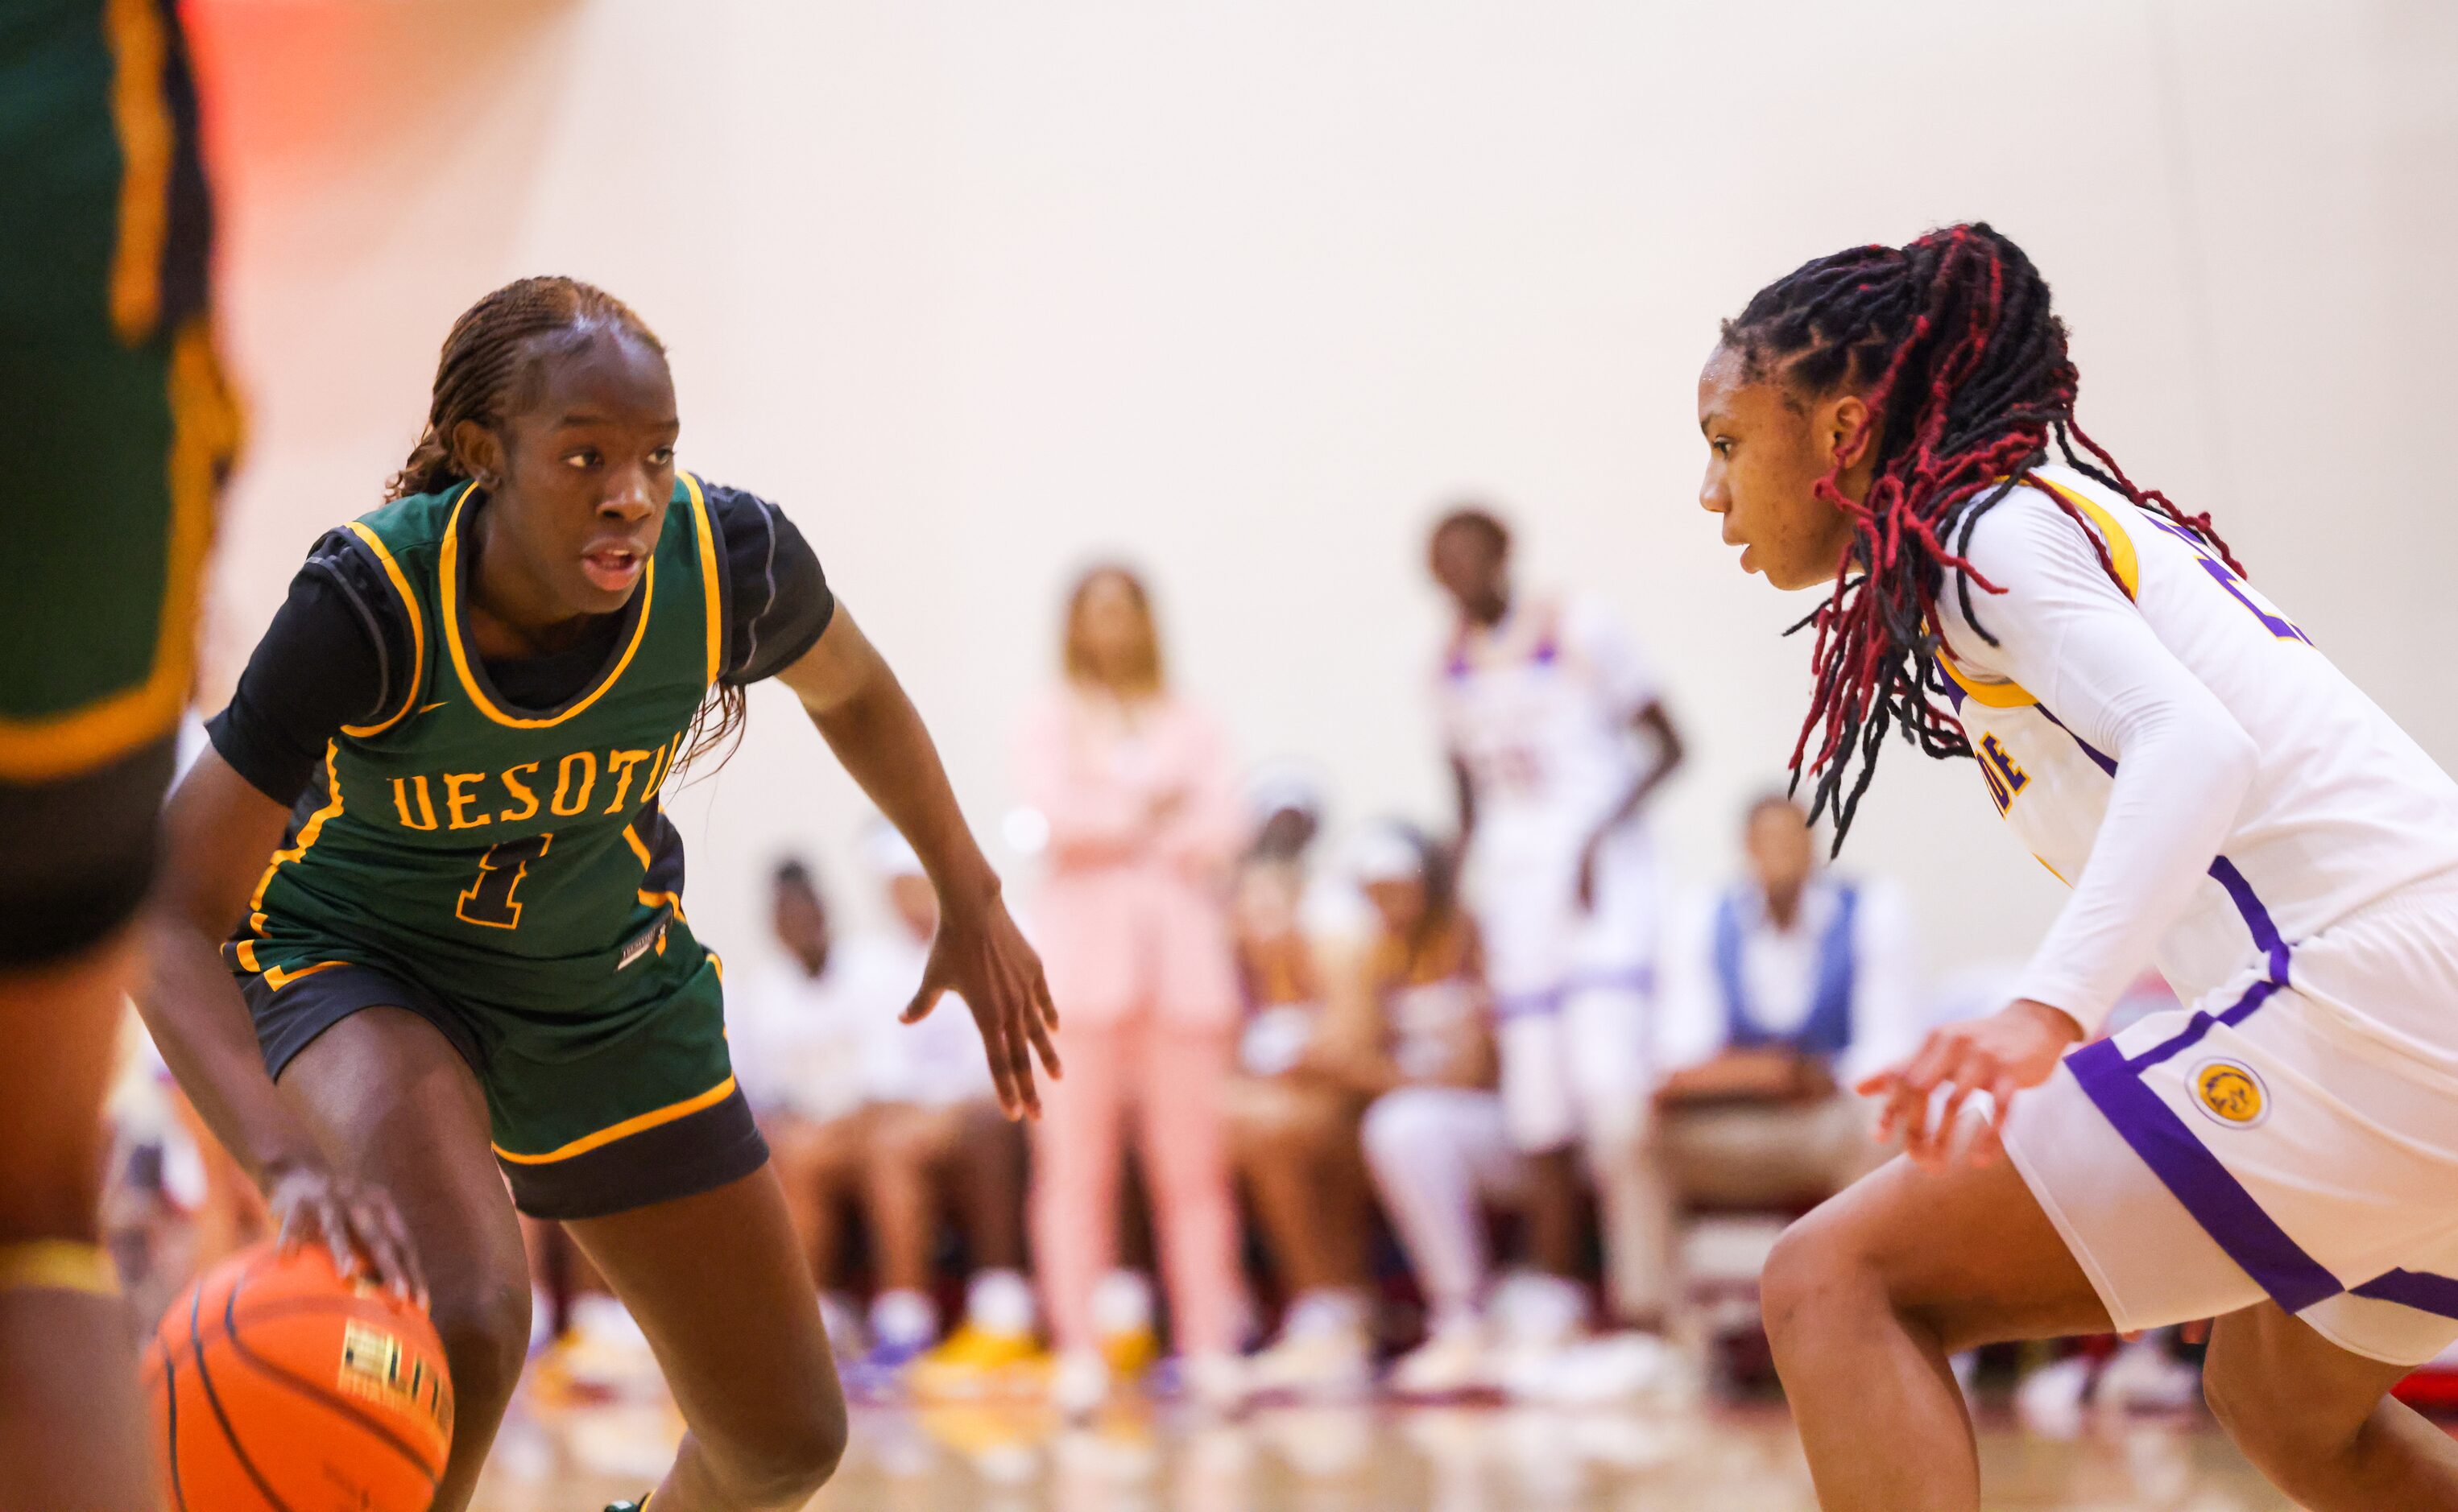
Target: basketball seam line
[[305, 1387], [171, 1423], [213, 1399]]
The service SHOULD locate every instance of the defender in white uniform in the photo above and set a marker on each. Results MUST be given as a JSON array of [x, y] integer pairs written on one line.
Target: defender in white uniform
[[2303, 1107], [1557, 737], [2282, 1150]]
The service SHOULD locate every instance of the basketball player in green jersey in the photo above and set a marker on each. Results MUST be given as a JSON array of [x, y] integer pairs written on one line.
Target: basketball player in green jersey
[[118, 430], [466, 964]]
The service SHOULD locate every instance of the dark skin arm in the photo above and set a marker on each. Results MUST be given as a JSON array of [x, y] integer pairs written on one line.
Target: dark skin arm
[[978, 953], [1656, 724], [217, 831]]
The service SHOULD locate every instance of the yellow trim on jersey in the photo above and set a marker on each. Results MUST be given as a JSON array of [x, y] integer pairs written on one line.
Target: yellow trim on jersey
[[140, 116], [449, 572], [57, 1265], [277, 978], [245, 950], [1994, 694], [708, 580], [307, 832], [650, 899], [2052, 871], [2120, 547], [2122, 556], [204, 432], [627, 1128], [417, 634], [632, 836]]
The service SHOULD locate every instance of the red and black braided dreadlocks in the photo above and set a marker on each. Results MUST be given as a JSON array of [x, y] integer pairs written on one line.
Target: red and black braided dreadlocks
[[1952, 344]]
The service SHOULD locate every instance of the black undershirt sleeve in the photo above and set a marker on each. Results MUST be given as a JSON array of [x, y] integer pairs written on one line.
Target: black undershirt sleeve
[[777, 599], [329, 659]]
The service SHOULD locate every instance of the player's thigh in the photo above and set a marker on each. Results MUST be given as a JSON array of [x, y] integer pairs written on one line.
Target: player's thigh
[[2284, 1391], [725, 1298], [1963, 1249], [399, 1108]]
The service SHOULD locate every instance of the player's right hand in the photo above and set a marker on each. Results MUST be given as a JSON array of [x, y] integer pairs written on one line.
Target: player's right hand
[[358, 1222], [2015, 1047]]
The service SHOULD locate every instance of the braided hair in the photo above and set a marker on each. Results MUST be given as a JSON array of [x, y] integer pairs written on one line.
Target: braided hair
[[489, 362], [1953, 347]]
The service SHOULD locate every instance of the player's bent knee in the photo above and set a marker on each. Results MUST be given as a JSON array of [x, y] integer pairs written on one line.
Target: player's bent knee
[[1397, 1123], [1812, 1271], [784, 1461], [486, 1331]]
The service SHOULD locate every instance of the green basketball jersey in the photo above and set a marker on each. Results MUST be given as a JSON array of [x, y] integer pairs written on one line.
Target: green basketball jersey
[[506, 859]]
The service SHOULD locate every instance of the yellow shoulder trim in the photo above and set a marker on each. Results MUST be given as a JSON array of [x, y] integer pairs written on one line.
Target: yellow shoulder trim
[[628, 1126], [448, 576], [1993, 695], [2120, 546], [417, 634], [708, 581]]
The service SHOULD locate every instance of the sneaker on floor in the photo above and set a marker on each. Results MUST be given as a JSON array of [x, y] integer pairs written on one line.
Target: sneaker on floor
[[1213, 1383], [1129, 1354], [1079, 1384], [972, 1363], [2050, 1400], [1619, 1368], [1453, 1364], [2143, 1377], [1316, 1364]]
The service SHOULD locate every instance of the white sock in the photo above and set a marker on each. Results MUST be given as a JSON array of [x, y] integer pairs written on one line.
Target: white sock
[[1324, 1310], [1000, 1302], [904, 1319], [1123, 1303]]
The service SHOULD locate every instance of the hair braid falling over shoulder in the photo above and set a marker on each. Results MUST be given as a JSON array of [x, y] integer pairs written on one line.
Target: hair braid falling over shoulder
[[1952, 346], [490, 357]]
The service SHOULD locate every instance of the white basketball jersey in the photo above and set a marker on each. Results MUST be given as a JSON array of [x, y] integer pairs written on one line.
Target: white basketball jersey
[[1539, 708], [2344, 808]]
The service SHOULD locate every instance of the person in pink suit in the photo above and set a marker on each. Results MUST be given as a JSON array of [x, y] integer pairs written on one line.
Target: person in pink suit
[[1132, 919]]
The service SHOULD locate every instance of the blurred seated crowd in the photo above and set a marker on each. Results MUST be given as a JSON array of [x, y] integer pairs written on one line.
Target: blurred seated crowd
[[1443, 1112]]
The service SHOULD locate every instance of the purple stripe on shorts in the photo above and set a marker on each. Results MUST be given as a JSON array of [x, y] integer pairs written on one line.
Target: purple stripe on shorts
[[2200, 1023], [2226, 1211], [2420, 1289], [2257, 918]]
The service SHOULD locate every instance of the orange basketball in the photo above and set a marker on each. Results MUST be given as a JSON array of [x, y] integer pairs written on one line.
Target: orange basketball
[[278, 1386]]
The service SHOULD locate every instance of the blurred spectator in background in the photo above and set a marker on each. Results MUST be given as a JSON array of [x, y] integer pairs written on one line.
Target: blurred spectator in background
[[798, 1036], [1785, 988], [1436, 1135], [1292, 1117], [1135, 784], [936, 1142], [1558, 738]]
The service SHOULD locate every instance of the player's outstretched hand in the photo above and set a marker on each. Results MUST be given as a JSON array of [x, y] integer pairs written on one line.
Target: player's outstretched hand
[[981, 956], [357, 1222], [2015, 1047]]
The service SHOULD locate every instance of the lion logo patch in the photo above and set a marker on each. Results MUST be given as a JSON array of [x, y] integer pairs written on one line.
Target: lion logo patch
[[2231, 1092]]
